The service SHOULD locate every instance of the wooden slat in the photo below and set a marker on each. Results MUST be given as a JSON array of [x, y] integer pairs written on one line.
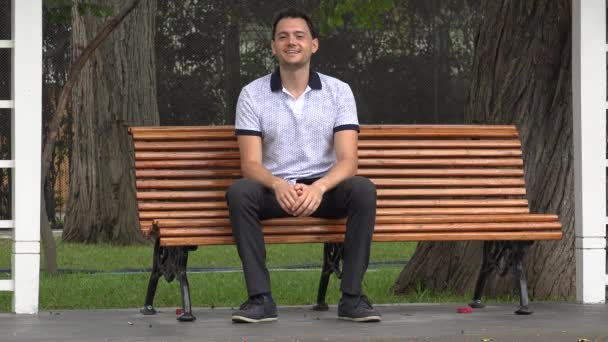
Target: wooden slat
[[218, 173], [417, 205], [172, 164], [164, 205], [308, 221], [184, 184], [472, 172], [184, 135], [224, 240], [438, 132], [392, 183], [161, 195], [452, 192], [391, 203], [380, 229], [184, 145], [427, 143], [445, 182], [140, 156], [449, 162], [147, 214], [363, 144], [424, 153], [136, 130], [159, 215], [452, 211], [418, 153], [366, 172]]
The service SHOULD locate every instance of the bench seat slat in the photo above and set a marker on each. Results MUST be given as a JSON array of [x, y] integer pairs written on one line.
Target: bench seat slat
[[382, 203], [414, 219], [475, 236], [364, 162], [379, 229], [521, 202], [367, 172], [144, 214], [381, 182], [160, 195]]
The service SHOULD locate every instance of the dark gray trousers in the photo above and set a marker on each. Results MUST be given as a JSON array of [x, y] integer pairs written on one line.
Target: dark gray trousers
[[249, 202]]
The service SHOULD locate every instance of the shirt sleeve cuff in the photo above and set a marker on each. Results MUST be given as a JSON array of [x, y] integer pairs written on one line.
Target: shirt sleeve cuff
[[346, 127], [247, 132]]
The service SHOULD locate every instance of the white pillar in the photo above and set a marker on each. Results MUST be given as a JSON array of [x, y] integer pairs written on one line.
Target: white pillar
[[27, 131], [589, 107]]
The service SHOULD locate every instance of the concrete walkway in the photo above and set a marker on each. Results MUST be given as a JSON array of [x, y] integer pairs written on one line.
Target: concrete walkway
[[412, 322]]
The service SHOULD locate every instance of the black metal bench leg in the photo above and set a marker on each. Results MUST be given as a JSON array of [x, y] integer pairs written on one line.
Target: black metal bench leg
[[156, 273], [182, 277], [520, 277], [324, 282], [484, 271], [332, 258]]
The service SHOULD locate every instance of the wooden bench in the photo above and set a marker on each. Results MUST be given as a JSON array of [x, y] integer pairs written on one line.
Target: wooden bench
[[434, 183]]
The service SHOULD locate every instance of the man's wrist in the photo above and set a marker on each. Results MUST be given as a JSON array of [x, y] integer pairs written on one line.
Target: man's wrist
[[321, 186], [277, 182]]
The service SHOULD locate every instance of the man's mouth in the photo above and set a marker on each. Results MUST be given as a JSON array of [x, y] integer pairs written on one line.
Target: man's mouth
[[292, 52]]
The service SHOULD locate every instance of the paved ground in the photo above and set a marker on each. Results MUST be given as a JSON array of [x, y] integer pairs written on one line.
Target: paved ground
[[413, 322]]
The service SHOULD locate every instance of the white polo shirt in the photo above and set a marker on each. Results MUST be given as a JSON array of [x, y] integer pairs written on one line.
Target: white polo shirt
[[297, 134]]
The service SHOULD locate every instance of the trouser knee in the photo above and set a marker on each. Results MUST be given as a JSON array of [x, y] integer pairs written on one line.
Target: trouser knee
[[242, 193]]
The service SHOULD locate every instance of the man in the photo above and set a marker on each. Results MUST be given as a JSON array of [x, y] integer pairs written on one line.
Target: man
[[297, 135]]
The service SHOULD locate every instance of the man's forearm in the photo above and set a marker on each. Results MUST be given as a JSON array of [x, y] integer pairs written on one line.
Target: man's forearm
[[338, 173], [260, 174]]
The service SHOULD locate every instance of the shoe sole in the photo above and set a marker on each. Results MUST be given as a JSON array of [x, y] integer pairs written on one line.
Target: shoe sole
[[361, 319], [243, 319]]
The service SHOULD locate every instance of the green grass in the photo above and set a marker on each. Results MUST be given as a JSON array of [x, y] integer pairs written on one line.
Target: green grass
[[107, 257], [83, 290], [96, 291]]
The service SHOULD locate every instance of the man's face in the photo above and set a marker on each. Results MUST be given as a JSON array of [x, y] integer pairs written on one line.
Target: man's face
[[292, 43]]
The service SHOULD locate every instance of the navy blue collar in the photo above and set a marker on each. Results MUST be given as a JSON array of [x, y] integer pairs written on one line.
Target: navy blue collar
[[314, 81]]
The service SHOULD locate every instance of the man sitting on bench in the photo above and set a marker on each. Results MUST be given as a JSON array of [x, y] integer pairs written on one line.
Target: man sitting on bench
[[297, 136]]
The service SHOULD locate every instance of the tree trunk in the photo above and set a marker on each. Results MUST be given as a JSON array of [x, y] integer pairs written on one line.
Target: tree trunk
[[117, 88], [520, 75]]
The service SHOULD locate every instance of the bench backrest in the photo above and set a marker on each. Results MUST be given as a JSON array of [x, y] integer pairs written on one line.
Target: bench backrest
[[183, 172]]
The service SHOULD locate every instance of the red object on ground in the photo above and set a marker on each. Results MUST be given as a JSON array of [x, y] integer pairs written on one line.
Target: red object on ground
[[178, 311], [465, 309]]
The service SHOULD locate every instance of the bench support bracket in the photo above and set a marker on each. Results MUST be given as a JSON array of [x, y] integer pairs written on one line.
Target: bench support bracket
[[493, 252], [170, 263]]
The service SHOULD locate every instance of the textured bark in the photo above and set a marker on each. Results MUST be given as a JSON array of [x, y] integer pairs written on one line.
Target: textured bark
[[520, 75], [117, 88]]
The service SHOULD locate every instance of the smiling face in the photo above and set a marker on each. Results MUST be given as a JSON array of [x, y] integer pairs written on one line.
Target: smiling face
[[293, 44]]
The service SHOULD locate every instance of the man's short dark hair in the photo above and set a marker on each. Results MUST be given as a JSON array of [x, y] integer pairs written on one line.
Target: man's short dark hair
[[293, 13]]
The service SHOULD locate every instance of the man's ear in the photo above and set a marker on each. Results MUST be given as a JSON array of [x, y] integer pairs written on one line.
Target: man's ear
[[315, 45]]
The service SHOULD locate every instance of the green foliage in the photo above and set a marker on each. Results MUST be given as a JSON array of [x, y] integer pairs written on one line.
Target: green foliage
[[60, 11], [366, 14]]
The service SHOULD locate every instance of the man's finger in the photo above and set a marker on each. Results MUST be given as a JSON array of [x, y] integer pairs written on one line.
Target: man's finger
[[304, 206]]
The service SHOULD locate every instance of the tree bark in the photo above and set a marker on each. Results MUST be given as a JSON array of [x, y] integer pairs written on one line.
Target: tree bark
[[117, 88], [520, 75]]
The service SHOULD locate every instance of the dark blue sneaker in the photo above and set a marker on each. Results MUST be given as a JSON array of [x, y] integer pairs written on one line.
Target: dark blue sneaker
[[256, 309], [357, 309]]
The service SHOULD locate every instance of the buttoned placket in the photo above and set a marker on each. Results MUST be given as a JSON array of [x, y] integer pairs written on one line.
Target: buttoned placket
[[296, 105]]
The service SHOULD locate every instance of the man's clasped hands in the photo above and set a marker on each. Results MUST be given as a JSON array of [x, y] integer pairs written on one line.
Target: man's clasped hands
[[298, 199]]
